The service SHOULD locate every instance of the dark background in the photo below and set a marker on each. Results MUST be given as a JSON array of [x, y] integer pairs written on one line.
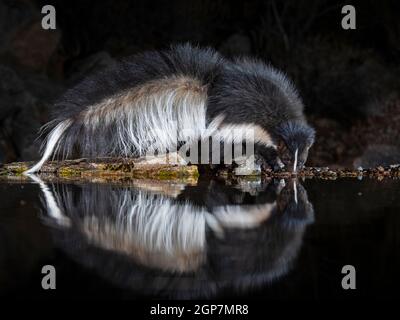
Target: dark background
[[347, 78]]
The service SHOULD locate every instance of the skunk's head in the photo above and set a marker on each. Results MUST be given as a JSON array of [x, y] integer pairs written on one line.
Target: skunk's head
[[295, 138]]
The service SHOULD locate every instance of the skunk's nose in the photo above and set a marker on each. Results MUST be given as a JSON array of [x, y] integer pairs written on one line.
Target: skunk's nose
[[298, 168]]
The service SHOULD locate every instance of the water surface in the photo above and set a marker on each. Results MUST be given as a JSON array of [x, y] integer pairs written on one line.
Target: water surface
[[214, 239]]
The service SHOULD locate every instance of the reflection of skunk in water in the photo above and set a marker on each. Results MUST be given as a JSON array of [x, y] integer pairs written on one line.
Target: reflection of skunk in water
[[140, 239], [148, 101]]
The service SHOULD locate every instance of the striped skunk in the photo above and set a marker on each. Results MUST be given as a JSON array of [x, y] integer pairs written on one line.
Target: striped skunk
[[149, 101]]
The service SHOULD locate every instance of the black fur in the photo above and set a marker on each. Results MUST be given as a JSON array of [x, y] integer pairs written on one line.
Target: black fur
[[202, 64], [250, 91]]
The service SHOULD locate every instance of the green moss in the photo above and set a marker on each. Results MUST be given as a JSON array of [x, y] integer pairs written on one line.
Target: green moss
[[251, 177], [171, 173], [195, 173], [68, 172], [121, 167], [18, 171], [167, 174]]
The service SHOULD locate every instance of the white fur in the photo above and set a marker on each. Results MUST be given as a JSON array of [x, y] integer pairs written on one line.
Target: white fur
[[236, 133], [52, 142], [295, 161], [154, 117]]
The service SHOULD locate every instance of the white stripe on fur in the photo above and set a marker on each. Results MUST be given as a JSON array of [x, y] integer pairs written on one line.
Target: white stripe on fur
[[236, 133], [153, 116], [295, 161]]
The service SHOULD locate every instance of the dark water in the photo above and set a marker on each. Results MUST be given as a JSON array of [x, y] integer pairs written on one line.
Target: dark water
[[257, 239]]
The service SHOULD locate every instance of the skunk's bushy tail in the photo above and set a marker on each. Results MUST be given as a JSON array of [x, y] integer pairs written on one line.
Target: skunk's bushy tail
[[52, 144]]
